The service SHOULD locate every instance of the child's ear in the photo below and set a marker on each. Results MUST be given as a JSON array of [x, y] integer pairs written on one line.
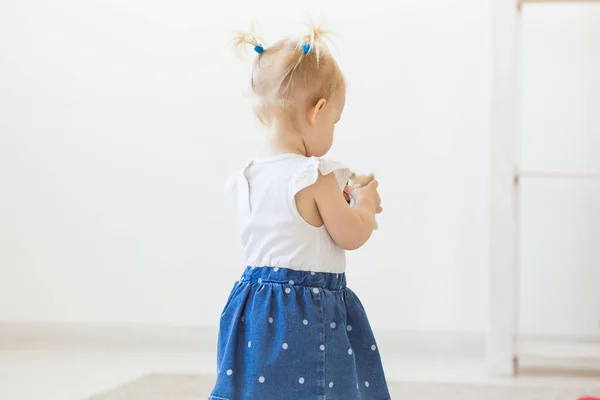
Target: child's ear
[[313, 112]]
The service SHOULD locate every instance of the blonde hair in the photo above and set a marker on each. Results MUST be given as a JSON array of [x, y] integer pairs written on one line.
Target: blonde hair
[[291, 74]]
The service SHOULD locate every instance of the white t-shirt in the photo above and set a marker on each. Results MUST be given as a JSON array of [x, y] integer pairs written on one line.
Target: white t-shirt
[[272, 230]]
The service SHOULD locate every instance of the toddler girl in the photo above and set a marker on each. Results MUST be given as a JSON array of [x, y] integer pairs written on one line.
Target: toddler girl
[[291, 329]]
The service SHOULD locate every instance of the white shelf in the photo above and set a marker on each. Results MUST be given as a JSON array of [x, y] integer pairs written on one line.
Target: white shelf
[[505, 345]]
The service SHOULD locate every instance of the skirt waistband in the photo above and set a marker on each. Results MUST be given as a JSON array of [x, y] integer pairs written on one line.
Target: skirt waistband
[[286, 276]]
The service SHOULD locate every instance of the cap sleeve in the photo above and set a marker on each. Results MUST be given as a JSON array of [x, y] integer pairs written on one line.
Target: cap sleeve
[[309, 173]]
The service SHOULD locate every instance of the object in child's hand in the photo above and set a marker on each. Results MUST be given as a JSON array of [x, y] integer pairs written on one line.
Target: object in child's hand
[[360, 181]]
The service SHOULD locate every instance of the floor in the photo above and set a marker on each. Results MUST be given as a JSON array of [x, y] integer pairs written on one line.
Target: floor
[[71, 374]]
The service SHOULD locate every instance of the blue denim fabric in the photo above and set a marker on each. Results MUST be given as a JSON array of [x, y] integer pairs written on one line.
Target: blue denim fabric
[[295, 335]]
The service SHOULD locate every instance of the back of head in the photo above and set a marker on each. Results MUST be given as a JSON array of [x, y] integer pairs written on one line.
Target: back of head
[[292, 74]]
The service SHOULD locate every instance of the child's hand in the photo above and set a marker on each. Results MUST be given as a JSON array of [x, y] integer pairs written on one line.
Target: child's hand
[[366, 196], [347, 197]]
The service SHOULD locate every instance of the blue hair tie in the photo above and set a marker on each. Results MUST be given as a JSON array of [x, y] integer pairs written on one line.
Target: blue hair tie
[[259, 49], [307, 48]]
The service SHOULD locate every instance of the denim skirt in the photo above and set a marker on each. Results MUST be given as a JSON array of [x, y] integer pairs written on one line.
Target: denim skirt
[[296, 335]]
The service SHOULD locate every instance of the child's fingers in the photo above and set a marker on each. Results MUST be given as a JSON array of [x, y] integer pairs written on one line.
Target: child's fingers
[[349, 190], [346, 196]]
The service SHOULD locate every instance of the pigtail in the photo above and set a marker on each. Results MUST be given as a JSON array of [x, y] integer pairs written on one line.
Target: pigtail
[[241, 40], [314, 42]]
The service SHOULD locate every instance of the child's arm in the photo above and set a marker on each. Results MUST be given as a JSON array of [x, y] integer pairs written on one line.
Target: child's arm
[[349, 227]]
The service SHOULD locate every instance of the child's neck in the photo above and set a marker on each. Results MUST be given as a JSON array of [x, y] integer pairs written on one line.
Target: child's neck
[[283, 141]]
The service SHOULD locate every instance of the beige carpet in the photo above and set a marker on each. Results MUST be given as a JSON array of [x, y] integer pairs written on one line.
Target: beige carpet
[[194, 387]]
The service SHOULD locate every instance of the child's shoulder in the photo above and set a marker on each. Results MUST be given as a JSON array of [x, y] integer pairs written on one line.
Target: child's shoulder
[[309, 172], [303, 171]]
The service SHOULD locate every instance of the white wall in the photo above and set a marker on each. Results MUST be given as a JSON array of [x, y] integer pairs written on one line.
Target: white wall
[[560, 255], [115, 120]]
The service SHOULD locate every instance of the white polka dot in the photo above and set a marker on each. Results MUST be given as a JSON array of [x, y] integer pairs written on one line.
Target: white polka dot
[[249, 344], [332, 325], [284, 346], [349, 352], [270, 320], [242, 318], [301, 381], [330, 384], [373, 347], [367, 383], [288, 290], [349, 328], [261, 379], [291, 282], [313, 273], [276, 269], [322, 347], [315, 290], [229, 372], [259, 280], [305, 322]]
